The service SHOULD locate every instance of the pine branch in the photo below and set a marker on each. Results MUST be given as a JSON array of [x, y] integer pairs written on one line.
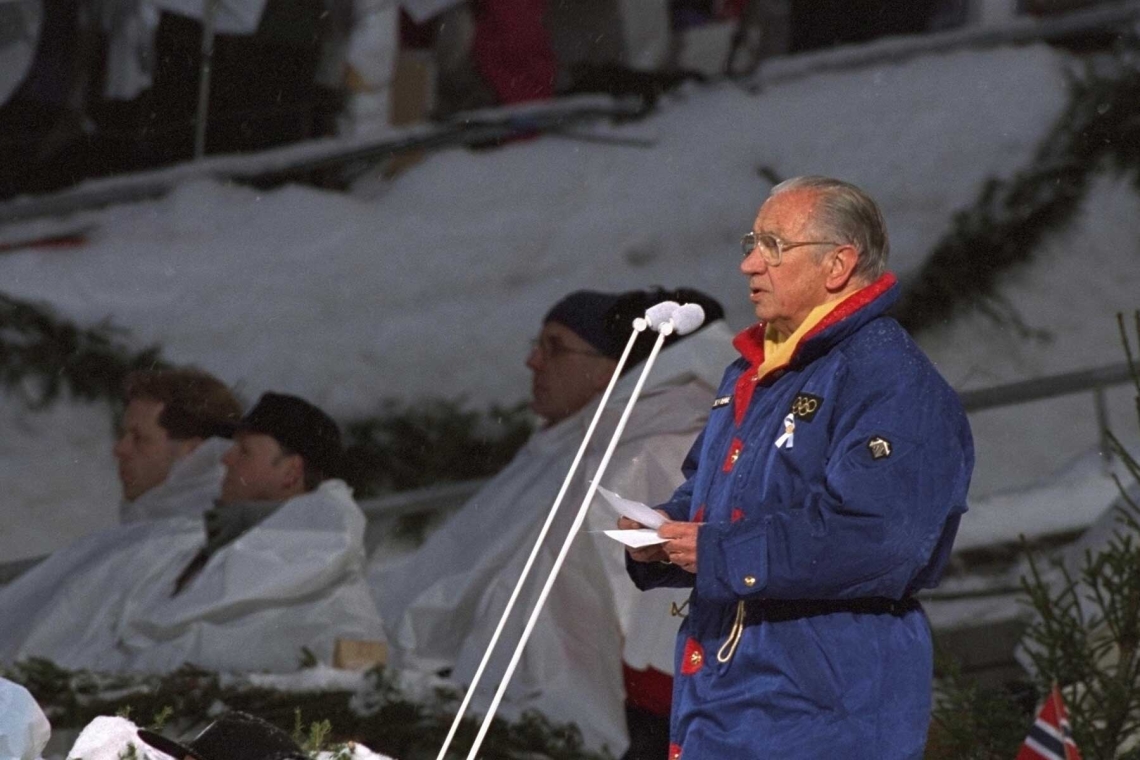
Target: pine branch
[[1098, 130], [43, 355]]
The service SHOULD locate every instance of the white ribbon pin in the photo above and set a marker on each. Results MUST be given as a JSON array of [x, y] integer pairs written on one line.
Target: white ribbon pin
[[788, 439]]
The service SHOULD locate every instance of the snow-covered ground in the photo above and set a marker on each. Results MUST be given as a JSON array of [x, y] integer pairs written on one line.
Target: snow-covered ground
[[432, 284]]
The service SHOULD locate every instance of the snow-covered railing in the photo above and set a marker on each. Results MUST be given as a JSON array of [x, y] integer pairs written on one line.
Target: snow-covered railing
[[296, 161], [382, 512], [1021, 30], [1095, 380]]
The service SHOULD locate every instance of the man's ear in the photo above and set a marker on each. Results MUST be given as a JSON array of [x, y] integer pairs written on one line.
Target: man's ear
[[840, 267], [294, 475]]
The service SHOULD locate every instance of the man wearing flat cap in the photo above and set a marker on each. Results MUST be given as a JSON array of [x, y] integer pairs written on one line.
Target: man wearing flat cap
[[283, 448], [589, 657]]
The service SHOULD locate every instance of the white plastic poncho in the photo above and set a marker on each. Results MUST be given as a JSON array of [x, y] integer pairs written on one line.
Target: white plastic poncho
[[295, 580], [24, 729], [194, 483], [442, 603], [67, 607]]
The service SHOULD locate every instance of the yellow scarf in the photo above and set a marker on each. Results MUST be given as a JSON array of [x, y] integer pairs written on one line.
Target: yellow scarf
[[778, 352]]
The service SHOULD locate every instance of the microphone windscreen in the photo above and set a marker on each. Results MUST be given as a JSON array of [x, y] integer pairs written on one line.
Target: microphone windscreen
[[659, 314], [688, 318]]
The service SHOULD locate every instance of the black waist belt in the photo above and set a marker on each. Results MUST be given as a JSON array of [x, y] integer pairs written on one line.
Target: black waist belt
[[776, 610]]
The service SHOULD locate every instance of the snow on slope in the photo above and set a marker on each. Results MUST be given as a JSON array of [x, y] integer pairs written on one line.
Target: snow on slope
[[431, 285], [1079, 280]]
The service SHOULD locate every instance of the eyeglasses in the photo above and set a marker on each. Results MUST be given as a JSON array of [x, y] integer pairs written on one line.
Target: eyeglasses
[[552, 348], [772, 248]]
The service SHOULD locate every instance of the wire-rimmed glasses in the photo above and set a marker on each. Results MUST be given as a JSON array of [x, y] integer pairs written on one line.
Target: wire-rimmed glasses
[[772, 248]]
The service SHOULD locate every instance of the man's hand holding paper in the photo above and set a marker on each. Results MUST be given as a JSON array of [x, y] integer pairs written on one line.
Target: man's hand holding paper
[[674, 542]]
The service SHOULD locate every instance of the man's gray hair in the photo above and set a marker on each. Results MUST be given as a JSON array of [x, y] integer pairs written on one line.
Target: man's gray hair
[[846, 214]]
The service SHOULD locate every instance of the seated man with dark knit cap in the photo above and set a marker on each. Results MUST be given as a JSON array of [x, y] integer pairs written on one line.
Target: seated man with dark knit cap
[[600, 646]]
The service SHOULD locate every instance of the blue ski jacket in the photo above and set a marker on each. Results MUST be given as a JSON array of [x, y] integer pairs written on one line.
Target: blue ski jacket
[[830, 492]]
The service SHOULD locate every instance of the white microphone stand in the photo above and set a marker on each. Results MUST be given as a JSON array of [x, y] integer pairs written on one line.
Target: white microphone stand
[[664, 331], [639, 326]]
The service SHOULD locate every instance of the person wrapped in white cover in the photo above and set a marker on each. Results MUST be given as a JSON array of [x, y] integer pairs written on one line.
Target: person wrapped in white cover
[[173, 432], [277, 569], [442, 603]]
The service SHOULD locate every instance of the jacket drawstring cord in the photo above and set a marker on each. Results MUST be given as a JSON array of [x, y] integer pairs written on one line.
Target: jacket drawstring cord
[[734, 636]]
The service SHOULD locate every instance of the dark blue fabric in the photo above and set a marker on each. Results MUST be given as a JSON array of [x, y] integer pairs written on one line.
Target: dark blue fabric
[[823, 520]]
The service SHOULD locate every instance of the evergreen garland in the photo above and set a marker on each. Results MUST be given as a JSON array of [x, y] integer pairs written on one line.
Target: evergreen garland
[[377, 715], [401, 447], [412, 446], [43, 355], [1098, 130]]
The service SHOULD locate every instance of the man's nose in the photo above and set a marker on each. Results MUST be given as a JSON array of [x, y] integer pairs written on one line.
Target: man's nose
[[753, 263], [119, 450], [534, 358]]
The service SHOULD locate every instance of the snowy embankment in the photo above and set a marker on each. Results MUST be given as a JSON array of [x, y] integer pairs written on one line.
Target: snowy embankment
[[432, 284]]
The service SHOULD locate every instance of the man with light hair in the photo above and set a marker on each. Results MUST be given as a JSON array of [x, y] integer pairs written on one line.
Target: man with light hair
[[824, 492]]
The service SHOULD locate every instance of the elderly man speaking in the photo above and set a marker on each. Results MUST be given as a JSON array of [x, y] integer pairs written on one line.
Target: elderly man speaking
[[825, 491]]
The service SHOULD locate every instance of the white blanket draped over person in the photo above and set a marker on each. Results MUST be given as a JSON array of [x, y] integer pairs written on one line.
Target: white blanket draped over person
[[192, 486], [441, 604], [293, 581], [67, 607]]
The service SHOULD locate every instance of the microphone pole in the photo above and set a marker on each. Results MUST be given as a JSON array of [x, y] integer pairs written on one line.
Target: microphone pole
[[689, 320], [656, 315]]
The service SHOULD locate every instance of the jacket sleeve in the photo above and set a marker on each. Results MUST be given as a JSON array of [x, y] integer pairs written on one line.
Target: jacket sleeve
[[880, 523], [648, 575]]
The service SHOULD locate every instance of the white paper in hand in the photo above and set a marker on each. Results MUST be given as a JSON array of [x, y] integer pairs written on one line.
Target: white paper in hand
[[635, 539], [634, 510]]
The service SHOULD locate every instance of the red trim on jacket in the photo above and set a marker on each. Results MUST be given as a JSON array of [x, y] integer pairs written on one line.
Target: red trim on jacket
[[750, 342], [674, 752], [737, 515], [700, 515], [849, 306], [693, 658], [649, 690], [733, 454]]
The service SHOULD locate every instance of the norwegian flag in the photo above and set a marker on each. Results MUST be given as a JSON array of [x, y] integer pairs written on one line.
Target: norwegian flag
[[1050, 738]]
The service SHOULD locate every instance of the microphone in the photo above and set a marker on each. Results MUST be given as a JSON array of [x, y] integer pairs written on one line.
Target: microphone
[[685, 320], [661, 313]]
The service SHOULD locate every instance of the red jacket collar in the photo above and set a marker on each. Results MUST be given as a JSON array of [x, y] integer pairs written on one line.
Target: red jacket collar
[[750, 342]]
